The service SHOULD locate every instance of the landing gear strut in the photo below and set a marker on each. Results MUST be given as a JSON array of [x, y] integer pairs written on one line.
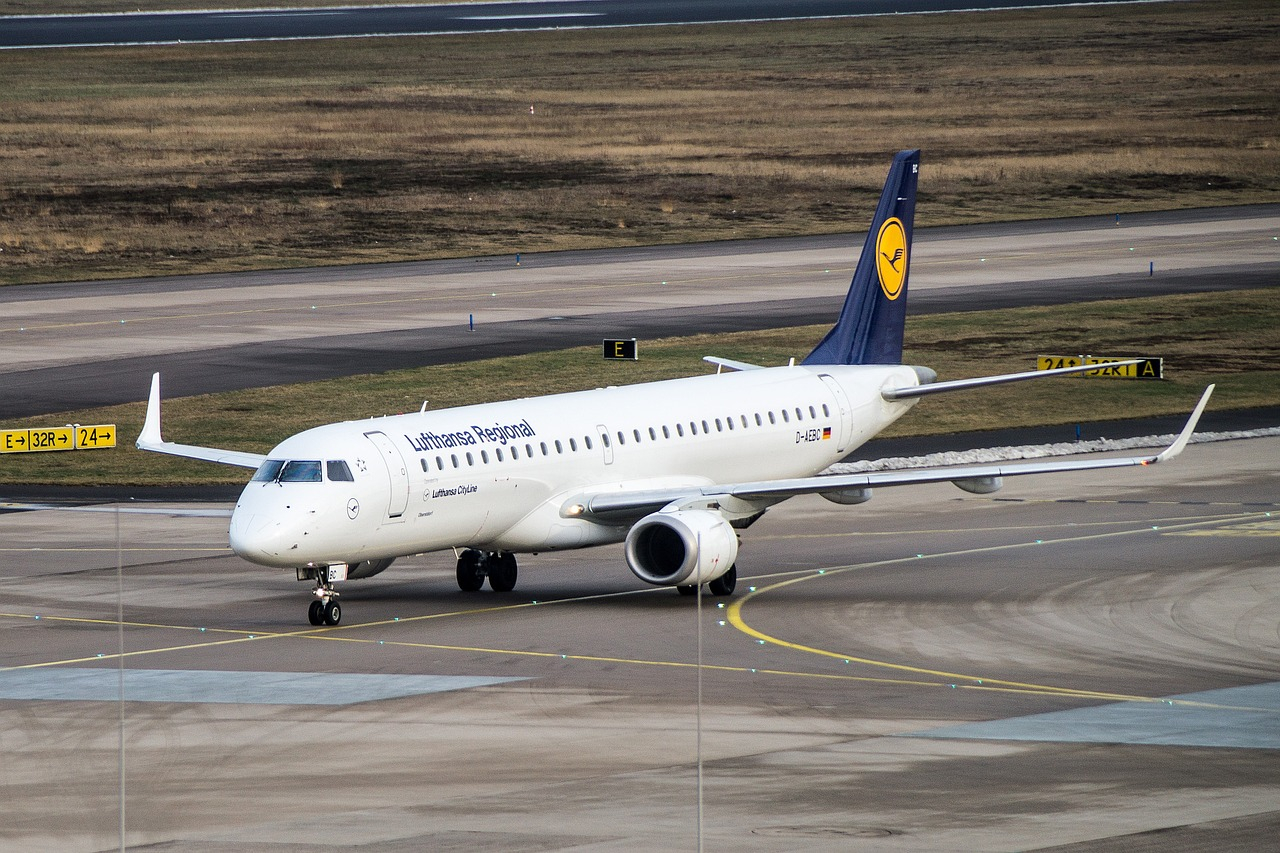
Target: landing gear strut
[[498, 566]]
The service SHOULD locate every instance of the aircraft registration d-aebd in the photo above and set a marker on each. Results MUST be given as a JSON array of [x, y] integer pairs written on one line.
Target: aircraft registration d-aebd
[[675, 469]]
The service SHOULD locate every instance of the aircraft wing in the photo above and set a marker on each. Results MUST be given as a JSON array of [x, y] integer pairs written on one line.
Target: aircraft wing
[[616, 506], [150, 439]]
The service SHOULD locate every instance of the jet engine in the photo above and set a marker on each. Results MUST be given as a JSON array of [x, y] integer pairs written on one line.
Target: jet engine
[[681, 547], [367, 568]]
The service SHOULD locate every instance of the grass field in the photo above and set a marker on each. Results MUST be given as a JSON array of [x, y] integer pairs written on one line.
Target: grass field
[[121, 162], [1232, 339]]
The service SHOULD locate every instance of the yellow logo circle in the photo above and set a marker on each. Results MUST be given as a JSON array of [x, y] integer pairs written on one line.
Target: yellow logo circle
[[891, 256]]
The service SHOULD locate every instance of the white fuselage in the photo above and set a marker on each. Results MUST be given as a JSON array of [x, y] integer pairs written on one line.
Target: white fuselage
[[499, 476]]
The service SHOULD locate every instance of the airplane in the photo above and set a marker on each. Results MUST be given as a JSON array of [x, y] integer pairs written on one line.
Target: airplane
[[674, 469]]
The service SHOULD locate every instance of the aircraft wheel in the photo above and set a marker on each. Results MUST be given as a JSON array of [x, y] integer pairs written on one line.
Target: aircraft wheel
[[315, 613], [470, 573], [332, 613], [687, 589], [502, 572], [726, 583]]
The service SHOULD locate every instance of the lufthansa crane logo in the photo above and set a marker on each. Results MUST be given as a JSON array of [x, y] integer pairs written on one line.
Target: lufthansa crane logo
[[891, 256]]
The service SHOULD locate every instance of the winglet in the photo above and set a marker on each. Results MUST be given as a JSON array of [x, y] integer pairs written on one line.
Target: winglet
[[150, 435], [1183, 437]]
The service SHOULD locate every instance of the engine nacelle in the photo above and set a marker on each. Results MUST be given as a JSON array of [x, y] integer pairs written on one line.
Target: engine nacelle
[[368, 568], [687, 546], [980, 485]]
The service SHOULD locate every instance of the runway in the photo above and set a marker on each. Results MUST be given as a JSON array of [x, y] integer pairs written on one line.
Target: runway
[[271, 24], [1081, 662], [79, 345]]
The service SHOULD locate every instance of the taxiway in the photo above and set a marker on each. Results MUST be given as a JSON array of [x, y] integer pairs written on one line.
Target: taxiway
[[1085, 662]]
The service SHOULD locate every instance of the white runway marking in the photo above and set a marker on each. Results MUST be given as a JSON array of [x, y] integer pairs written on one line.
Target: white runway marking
[[255, 688]]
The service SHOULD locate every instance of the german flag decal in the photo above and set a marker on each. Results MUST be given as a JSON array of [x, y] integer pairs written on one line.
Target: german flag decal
[[826, 433]]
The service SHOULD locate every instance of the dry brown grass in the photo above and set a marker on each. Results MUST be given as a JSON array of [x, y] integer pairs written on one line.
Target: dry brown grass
[[183, 159]]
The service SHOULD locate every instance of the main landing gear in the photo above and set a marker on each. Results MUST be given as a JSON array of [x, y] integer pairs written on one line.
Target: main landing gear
[[723, 585], [498, 566]]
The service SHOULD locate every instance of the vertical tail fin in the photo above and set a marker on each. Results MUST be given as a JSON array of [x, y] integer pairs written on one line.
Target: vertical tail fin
[[869, 330]]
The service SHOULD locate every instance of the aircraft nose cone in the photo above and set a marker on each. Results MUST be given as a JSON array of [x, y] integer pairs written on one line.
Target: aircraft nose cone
[[252, 538]]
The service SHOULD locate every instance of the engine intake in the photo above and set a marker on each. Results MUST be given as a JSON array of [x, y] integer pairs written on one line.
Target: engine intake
[[678, 547]]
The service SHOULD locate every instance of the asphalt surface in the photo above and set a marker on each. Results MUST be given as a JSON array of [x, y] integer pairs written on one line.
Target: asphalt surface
[[78, 345], [1080, 663], [354, 21]]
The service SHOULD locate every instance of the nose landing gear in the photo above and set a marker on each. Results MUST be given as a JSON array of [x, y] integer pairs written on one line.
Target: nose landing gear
[[325, 610]]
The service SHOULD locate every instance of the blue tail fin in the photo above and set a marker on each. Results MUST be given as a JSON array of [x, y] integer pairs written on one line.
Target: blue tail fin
[[869, 330]]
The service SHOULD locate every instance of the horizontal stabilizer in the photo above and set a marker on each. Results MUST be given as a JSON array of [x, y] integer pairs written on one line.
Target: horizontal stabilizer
[[984, 381], [730, 363]]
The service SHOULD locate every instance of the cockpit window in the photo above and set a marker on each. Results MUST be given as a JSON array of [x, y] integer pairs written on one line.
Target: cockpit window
[[338, 470], [268, 471], [296, 471]]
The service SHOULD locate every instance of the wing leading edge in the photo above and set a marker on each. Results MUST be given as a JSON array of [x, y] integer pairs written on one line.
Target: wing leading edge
[[616, 506]]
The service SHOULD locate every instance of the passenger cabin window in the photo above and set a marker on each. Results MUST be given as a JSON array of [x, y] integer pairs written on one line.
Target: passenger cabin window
[[424, 466], [826, 413]]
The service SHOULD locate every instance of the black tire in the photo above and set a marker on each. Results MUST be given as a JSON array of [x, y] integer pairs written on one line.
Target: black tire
[[726, 583], [332, 613], [470, 570], [502, 572], [315, 613], [687, 589]]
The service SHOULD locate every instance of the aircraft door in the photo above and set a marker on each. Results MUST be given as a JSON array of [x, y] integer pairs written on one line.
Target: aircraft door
[[397, 471], [606, 443], [844, 410]]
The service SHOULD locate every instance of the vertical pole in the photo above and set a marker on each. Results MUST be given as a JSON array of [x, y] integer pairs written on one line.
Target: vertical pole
[[698, 611], [120, 681], [471, 322]]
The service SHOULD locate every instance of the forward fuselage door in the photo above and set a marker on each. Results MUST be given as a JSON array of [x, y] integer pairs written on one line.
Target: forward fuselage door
[[397, 471], [844, 409], [606, 444]]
